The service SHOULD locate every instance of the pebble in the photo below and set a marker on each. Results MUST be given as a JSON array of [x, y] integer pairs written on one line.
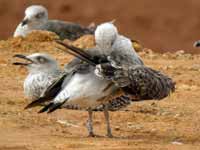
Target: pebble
[[177, 143], [66, 123]]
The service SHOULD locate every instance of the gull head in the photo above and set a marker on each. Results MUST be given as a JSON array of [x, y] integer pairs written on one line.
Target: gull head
[[105, 35], [38, 62], [35, 15]]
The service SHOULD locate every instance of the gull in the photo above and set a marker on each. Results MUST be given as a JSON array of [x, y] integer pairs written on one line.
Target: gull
[[43, 71], [76, 84], [139, 81], [116, 46], [124, 67], [36, 18]]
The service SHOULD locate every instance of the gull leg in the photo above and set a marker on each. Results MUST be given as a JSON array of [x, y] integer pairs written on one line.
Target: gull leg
[[106, 114], [90, 124]]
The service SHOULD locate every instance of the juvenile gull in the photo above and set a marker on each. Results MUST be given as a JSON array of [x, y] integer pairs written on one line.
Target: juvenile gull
[[112, 44], [124, 67], [44, 72], [36, 18]]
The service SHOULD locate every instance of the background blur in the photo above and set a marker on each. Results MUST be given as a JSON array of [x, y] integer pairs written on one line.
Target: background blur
[[160, 25]]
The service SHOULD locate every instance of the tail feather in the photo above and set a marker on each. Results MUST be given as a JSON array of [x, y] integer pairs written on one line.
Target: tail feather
[[148, 84]]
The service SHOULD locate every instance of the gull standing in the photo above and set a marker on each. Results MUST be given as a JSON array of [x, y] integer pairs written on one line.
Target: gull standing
[[36, 18]]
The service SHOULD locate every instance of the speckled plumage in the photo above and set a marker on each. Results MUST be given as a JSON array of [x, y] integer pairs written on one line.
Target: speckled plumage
[[35, 84], [140, 81]]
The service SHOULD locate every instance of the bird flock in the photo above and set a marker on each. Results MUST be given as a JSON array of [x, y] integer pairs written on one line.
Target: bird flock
[[107, 77]]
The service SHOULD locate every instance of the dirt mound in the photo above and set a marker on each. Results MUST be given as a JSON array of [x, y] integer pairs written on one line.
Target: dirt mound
[[162, 26]]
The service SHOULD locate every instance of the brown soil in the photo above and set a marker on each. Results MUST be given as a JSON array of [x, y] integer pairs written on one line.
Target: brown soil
[[160, 25], [169, 124]]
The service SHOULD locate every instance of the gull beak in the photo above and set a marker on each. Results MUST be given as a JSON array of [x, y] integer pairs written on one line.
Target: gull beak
[[29, 61], [24, 22]]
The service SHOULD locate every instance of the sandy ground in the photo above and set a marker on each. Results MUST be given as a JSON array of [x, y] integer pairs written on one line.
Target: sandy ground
[[169, 124]]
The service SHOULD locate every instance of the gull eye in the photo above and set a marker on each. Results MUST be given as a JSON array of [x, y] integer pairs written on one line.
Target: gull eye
[[41, 60], [39, 15]]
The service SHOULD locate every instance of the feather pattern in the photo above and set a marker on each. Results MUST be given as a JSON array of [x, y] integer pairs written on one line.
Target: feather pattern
[[35, 84]]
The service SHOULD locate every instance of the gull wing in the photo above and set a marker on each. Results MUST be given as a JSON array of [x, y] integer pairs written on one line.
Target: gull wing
[[147, 83], [50, 92], [67, 30]]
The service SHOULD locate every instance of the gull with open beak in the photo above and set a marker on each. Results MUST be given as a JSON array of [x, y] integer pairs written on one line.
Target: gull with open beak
[[43, 70], [36, 18]]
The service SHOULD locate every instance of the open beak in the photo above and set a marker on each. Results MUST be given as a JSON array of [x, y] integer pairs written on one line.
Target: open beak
[[29, 61], [25, 22]]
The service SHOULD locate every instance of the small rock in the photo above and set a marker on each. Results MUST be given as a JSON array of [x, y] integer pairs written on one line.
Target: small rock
[[165, 113], [153, 130], [66, 123], [177, 143], [131, 125], [177, 115]]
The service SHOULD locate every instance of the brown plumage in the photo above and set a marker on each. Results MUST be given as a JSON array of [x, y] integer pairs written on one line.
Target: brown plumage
[[147, 83]]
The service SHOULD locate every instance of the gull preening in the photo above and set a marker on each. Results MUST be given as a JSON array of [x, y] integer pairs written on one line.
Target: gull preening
[[125, 68], [112, 44], [36, 18]]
